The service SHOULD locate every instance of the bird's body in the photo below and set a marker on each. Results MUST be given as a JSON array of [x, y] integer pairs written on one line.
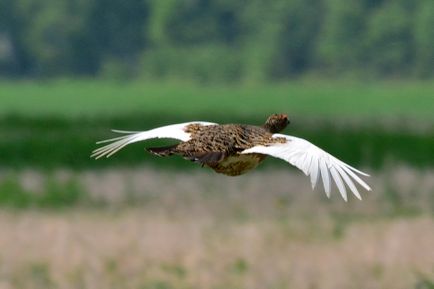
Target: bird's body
[[237, 164], [219, 147], [234, 149]]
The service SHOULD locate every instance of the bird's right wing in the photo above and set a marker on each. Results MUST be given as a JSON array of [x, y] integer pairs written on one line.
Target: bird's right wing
[[174, 131], [315, 162]]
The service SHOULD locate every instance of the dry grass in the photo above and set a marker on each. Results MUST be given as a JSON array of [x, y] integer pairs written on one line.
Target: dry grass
[[396, 191], [200, 230], [136, 249]]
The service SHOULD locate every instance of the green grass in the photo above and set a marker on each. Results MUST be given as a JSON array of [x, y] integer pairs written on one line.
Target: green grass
[[311, 99], [52, 142], [56, 123], [55, 195]]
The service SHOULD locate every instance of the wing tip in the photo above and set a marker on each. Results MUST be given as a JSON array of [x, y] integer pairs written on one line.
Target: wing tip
[[124, 131], [358, 196], [344, 196]]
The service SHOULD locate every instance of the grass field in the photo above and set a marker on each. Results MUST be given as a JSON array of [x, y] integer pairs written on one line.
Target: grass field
[[407, 101], [136, 221], [200, 230], [139, 250], [372, 124], [53, 142]]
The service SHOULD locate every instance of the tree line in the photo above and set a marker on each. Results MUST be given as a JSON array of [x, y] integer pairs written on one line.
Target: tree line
[[225, 40]]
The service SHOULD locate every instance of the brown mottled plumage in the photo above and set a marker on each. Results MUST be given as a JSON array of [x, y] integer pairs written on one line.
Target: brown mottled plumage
[[219, 146]]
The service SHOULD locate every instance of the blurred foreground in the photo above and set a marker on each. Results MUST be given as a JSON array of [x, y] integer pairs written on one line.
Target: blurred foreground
[[140, 228]]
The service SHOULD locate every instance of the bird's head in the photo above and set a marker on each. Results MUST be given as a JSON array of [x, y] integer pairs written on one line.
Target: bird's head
[[276, 123]]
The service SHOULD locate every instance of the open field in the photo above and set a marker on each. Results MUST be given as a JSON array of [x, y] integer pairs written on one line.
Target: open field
[[46, 142], [401, 101], [133, 249], [397, 191], [371, 124], [67, 221], [140, 228]]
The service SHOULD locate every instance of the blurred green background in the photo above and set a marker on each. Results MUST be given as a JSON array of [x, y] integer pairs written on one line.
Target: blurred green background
[[354, 76]]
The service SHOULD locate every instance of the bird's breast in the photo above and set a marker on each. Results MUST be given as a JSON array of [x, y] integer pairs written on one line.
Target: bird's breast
[[238, 164]]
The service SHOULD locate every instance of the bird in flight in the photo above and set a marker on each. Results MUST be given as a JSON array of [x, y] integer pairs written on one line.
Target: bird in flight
[[234, 149]]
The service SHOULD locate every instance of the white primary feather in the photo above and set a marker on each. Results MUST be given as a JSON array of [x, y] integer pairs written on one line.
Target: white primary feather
[[314, 162], [174, 131]]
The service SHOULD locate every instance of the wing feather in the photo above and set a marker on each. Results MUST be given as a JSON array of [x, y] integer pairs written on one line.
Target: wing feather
[[301, 163], [314, 162], [308, 163], [339, 183], [174, 131], [349, 182], [351, 168], [325, 177], [314, 172], [356, 177]]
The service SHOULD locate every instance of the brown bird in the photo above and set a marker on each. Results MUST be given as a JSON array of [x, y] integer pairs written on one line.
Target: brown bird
[[233, 149]]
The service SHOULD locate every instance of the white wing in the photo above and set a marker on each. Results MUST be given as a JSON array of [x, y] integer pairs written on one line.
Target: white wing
[[314, 161], [174, 131]]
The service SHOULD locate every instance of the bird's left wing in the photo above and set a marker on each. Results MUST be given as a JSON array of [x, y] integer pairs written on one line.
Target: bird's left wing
[[174, 131], [314, 161]]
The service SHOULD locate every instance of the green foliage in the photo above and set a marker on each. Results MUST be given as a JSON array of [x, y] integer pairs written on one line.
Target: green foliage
[[177, 63], [402, 102], [73, 36], [49, 32], [202, 22], [340, 45], [424, 283], [209, 40], [157, 285], [35, 275], [13, 195], [161, 13], [424, 38], [54, 195], [389, 38], [176, 270], [295, 43], [240, 266]]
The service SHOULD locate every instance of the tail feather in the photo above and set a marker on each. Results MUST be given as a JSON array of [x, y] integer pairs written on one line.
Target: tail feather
[[163, 151]]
